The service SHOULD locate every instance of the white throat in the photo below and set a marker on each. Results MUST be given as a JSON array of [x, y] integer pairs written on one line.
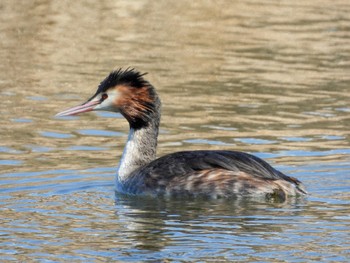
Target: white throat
[[140, 149]]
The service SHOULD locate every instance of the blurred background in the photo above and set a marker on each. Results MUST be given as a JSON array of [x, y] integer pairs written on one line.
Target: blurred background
[[266, 77]]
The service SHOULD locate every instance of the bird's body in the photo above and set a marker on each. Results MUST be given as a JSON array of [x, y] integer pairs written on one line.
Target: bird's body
[[189, 173], [209, 174]]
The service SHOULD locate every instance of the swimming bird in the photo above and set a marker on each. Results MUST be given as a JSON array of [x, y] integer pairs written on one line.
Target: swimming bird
[[206, 173]]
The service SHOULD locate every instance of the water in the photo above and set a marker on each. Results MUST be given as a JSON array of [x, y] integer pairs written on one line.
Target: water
[[259, 76]]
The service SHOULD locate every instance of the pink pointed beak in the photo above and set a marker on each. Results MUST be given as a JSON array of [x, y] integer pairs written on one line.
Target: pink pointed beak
[[88, 106]]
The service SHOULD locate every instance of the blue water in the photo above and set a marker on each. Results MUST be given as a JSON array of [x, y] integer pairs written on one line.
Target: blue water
[[60, 215]]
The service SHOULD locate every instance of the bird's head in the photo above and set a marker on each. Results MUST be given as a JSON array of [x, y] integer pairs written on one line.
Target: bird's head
[[124, 91]]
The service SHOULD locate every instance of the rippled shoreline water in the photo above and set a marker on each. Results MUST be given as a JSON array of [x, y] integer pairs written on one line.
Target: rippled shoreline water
[[268, 78]]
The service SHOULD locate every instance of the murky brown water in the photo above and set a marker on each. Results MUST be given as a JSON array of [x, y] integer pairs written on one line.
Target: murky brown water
[[266, 77]]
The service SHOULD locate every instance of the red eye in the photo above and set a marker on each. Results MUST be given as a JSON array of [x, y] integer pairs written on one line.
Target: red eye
[[104, 96]]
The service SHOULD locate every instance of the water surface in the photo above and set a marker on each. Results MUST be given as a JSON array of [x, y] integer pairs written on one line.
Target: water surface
[[268, 78]]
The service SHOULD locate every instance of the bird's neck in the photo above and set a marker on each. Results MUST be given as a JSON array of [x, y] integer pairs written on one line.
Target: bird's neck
[[140, 149]]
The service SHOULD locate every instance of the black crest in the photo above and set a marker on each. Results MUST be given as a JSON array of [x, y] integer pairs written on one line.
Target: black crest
[[129, 77]]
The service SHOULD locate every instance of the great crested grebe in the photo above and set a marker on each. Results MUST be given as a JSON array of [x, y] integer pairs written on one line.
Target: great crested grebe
[[189, 173]]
